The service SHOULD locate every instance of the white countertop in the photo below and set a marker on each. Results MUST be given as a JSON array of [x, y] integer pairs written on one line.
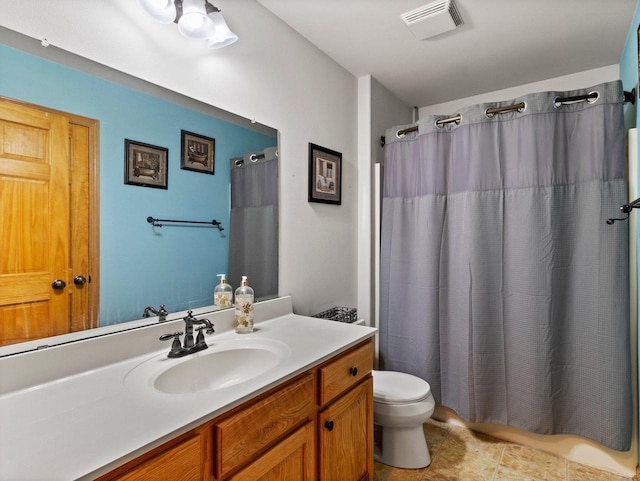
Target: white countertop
[[86, 424]]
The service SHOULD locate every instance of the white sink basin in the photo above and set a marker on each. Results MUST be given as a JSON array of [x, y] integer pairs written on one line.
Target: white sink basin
[[225, 364]]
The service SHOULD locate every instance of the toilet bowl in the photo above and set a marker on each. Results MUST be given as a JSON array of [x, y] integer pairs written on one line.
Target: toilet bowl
[[402, 403]]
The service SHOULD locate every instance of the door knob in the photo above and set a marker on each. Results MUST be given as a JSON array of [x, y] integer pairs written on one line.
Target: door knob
[[58, 284], [79, 280]]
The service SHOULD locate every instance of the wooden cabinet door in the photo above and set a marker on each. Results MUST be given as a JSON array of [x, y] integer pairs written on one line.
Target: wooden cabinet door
[[346, 436], [290, 460]]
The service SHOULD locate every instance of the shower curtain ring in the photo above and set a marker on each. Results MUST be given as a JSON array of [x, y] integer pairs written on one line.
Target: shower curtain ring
[[593, 100]]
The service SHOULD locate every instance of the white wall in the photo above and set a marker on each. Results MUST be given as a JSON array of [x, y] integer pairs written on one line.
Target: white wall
[[378, 109], [271, 74], [574, 81]]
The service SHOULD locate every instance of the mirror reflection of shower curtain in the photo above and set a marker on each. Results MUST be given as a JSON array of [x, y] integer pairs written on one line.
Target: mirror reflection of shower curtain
[[253, 237]]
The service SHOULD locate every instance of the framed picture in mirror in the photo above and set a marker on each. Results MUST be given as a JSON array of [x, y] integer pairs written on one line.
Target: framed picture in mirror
[[325, 175], [197, 153], [638, 39], [145, 165]]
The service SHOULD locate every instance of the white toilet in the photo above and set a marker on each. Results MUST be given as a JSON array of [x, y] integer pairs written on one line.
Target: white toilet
[[402, 403]]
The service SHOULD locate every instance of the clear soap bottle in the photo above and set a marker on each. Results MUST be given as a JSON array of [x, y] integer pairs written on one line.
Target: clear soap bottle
[[244, 308], [223, 293]]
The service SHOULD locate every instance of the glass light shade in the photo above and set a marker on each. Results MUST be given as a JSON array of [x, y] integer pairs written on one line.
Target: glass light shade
[[222, 36], [162, 11], [194, 23]]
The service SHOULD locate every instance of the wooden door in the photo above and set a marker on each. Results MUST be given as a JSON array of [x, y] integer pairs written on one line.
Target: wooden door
[[80, 282], [36, 229], [346, 436]]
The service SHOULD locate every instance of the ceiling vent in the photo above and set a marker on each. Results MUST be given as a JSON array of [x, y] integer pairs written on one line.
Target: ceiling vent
[[433, 19]]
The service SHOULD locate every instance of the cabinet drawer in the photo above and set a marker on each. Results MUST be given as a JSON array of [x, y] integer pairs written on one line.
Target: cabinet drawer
[[291, 459], [182, 461], [251, 430], [346, 371]]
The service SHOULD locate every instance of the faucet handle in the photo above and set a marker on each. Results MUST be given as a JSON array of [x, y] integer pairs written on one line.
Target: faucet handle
[[162, 314], [166, 337], [200, 338], [176, 348]]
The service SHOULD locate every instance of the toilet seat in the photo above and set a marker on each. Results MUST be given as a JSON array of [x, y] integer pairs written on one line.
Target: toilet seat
[[393, 387]]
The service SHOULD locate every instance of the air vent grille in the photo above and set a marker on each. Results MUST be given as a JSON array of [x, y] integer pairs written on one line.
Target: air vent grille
[[433, 19]]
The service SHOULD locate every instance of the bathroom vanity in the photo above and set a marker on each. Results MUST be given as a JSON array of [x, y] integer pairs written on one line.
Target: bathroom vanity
[[274, 435], [293, 400]]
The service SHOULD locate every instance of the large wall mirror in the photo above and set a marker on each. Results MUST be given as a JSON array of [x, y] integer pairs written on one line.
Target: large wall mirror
[[142, 264]]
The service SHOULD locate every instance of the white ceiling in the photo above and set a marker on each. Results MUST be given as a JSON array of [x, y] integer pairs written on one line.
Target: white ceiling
[[502, 44]]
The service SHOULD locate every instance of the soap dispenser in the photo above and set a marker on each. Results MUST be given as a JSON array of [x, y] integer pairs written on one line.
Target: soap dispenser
[[223, 293], [244, 308]]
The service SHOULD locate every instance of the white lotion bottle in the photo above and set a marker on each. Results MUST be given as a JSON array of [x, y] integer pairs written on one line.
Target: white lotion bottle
[[243, 322], [223, 293]]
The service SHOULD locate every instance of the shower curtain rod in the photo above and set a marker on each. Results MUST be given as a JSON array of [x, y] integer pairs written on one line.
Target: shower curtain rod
[[490, 112], [252, 158]]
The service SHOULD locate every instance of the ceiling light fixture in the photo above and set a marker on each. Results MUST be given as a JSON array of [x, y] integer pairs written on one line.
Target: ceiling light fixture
[[196, 19]]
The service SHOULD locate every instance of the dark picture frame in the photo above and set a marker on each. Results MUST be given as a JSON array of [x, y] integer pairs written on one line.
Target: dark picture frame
[[325, 175], [638, 43], [197, 152], [145, 165]]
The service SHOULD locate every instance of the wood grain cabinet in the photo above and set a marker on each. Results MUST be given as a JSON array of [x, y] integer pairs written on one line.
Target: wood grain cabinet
[[186, 458], [316, 427], [291, 459], [345, 437], [242, 435], [345, 421]]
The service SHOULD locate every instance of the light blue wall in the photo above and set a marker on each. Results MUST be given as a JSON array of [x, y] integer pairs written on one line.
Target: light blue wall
[[629, 77], [140, 265]]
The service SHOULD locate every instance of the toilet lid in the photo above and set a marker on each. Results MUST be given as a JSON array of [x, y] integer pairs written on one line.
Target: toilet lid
[[398, 387]]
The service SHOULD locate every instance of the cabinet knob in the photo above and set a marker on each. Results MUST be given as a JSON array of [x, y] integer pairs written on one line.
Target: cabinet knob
[[353, 371], [328, 425], [58, 284]]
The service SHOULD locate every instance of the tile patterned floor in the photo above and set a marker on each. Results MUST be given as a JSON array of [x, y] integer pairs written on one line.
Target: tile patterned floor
[[458, 454]]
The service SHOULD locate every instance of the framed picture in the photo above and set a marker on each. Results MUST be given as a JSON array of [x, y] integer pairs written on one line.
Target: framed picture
[[325, 175], [197, 153], [145, 164], [638, 37]]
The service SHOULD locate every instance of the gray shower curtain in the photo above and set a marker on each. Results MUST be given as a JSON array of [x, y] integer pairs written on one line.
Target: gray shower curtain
[[253, 238], [501, 283]]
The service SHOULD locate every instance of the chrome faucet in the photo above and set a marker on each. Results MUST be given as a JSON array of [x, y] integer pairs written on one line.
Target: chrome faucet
[[161, 313], [189, 347]]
